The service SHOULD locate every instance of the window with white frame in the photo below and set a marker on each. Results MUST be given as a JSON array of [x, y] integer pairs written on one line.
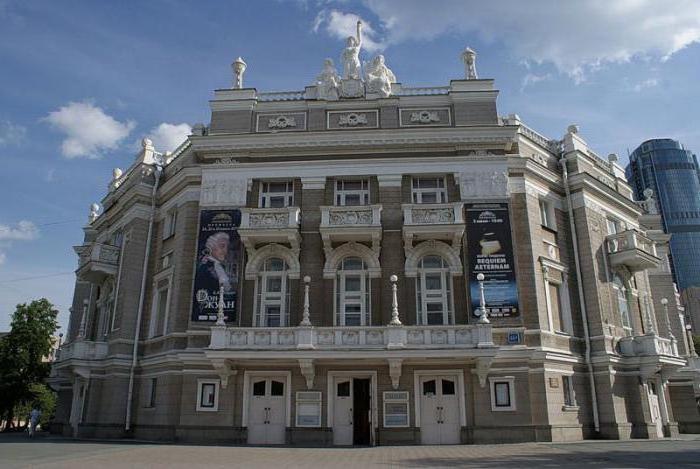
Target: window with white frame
[[433, 292], [170, 223], [276, 194], [623, 305], [557, 297], [352, 287], [352, 192], [614, 225], [151, 392], [273, 294], [207, 395], [502, 393], [396, 409], [428, 190], [568, 389], [556, 306], [308, 409], [159, 311], [547, 214]]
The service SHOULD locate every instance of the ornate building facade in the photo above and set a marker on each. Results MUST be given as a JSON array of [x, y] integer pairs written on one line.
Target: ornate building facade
[[367, 263]]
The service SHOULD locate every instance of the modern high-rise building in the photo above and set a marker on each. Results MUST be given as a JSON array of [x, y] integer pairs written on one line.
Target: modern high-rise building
[[672, 173], [365, 262]]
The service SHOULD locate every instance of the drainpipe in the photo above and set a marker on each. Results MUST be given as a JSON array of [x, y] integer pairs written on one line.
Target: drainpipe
[[582, 301], [137, 333]]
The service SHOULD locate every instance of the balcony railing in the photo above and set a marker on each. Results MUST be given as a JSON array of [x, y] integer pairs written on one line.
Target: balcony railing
[[352, 338], [96, 261], [348, 216], [633, 250], [647, 345], [433, 214], [269, 218], [82, 350]]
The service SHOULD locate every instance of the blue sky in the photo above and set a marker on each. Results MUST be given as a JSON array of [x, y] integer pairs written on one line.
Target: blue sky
[[81, 82]]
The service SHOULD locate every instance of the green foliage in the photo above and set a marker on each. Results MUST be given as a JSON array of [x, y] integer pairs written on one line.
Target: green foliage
[[21, 355], [696, 341], [43, 398]]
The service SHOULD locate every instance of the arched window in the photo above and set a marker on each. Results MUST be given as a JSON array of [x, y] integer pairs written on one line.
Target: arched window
[[433, 291], [623, 306], [272, 309], [352, 291]]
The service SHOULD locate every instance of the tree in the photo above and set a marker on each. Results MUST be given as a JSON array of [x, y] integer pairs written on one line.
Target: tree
[[22, 354]]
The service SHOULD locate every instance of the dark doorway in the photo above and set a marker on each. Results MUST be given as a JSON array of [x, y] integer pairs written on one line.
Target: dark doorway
[[361, 410]]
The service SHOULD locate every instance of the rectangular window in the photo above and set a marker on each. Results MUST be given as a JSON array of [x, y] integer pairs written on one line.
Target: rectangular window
[[547, 214], [207, 395], [166, 260], [308, 409], [503, 393], [160, 309], [170, 223], [428, 190], [569, 396], [614, 226], [352, 192], [396, 409], [276, 194], [152, 390], [555, 299]]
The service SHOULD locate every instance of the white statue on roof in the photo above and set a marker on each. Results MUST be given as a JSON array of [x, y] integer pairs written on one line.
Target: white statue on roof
[[351, 55], [328, 81], [378, 77]]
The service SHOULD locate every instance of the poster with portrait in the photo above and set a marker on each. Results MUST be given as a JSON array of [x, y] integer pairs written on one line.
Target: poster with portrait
[[490, 252], [218, 264]]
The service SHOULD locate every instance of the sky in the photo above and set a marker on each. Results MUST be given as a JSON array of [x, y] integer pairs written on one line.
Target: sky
[[82, 82]]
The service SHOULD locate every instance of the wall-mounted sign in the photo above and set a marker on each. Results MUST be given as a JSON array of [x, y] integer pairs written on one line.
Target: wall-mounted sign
[[218, 264], [490, 251]]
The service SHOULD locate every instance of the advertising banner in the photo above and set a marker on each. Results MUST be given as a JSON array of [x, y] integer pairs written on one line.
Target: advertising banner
[[490, 252], [218, 264]]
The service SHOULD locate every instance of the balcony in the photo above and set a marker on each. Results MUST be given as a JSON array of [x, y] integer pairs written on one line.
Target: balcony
[[82, 350], [270, 225], [633, 250], [340, 224], [647, 345], [433, 221], [371, 338], [97, 261]]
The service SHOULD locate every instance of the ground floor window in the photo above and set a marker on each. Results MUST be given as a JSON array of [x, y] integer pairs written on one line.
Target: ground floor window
[[503, 393], [569, 395], [396, 409], [308, 409], [208, 395]]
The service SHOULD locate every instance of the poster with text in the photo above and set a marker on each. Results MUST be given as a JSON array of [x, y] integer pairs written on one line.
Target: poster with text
[[490, 252], [218, 264]]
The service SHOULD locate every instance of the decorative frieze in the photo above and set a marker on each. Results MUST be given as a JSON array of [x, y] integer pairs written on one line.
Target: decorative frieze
[[287, 122], [360, 119], [484, 184], [426, 117], [223, 189]]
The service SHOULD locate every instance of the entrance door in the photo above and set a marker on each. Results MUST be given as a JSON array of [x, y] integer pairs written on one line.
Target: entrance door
[[351, 411], [439, 410], [655, 410], [267, 411]]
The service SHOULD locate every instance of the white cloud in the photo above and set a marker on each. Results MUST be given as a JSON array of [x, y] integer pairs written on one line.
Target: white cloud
[[577, 36], [648, 83], [23, 231], [167, 137], [342, 25], [89, 130], [533, 78], [11, 134]]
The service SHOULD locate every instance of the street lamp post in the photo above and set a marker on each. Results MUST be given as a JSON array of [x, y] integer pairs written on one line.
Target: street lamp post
[[482, 300]]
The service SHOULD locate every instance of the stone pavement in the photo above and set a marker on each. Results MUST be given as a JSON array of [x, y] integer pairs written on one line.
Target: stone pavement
[[17, 451]]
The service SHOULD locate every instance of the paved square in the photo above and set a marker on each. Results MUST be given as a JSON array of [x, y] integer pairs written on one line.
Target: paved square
[[16, 451]]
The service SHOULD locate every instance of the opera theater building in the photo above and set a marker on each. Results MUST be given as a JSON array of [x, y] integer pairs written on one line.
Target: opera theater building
[[361, 262]]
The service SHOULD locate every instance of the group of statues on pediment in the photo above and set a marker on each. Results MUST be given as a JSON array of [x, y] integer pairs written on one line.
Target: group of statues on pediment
[[377, 77]]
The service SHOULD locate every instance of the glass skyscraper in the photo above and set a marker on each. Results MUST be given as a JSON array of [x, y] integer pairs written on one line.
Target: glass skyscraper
[[672, 173]]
